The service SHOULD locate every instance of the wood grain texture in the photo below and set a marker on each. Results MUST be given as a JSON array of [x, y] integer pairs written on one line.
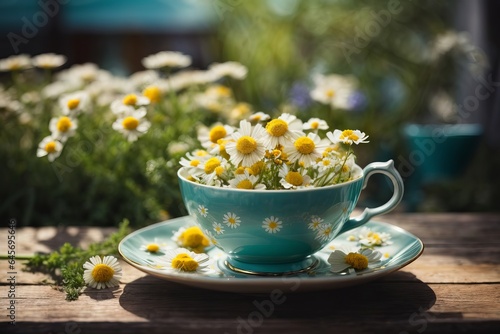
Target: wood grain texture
[[453, 287]]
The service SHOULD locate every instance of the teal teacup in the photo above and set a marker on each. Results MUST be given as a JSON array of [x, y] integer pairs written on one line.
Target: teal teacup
[[278, 231]]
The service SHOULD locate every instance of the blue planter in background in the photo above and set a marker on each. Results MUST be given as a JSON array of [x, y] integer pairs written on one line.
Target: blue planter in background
[[436, 153]]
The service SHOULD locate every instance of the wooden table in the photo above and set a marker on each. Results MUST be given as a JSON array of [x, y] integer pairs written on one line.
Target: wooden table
[[453, 287]]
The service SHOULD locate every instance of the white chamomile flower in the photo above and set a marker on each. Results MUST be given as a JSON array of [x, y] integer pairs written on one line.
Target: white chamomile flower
[[231, 69], [83, 74], [282, 130], [315, 124], [128, 104], [102, 273], [272, 224], [74, 103], [49, 60], [246, 181], [194, 163], [183, 260], [132, 126], [166, 59], [192, 237], [370, 238], [334, 90], [49, 147], [15, 63], [247, 147], [341, 260], [306, 149], [347, 137], [155, 247], [291, 179], [326, 163], [212, 169], [62, 127], [259, 117], [210, 137]]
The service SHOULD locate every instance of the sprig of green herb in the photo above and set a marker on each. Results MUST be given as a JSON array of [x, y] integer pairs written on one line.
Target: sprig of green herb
[[66, 265]]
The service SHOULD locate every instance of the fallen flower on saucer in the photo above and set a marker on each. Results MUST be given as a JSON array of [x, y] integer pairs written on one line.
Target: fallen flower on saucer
[[153, 247], [182, 259], [369, 238], [102, 273], [357, 260], [191, 238]]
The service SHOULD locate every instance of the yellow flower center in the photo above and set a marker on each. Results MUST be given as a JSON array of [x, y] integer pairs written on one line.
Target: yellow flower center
[[294, 178], [201, 153], [326, 162], [277, 127], [357, 261], [153, 248], [330, 93], [245, 184], [272, 225], [240, 170], [219, 170], [217, 132], [349, 134], [153, 93], [194, 163], [246, 145], [130, 123], [130, 100], [211, 164], [222, 91], [257, 167], [73, 103], [50, 147], [102, 273], [63, 124], [314, 124], [193, 237], [184, 262], [305, 145]]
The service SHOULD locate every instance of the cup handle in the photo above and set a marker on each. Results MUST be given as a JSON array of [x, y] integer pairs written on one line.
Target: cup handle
[[388, 169]]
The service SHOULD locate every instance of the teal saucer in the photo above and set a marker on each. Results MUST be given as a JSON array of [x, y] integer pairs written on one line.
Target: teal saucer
[[312, 274]]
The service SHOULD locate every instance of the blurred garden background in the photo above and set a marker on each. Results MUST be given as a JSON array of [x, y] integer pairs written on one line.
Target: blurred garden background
[[424, 85]]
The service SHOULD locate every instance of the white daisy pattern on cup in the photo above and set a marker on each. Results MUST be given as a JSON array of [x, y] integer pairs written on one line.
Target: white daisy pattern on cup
[[231, 220], [315, 223], [202, 210], [272, 224], [324, 232], [218, 228]]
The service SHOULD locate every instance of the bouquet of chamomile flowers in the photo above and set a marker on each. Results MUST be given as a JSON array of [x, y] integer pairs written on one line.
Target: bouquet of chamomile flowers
[[273, 154]]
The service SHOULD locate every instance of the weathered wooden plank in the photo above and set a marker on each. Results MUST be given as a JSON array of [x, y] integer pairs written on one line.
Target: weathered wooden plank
[[449, 228], [407, 305]]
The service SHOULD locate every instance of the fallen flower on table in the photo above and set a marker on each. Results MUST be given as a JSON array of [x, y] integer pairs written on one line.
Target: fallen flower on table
[[102, 273], [357, 260]]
